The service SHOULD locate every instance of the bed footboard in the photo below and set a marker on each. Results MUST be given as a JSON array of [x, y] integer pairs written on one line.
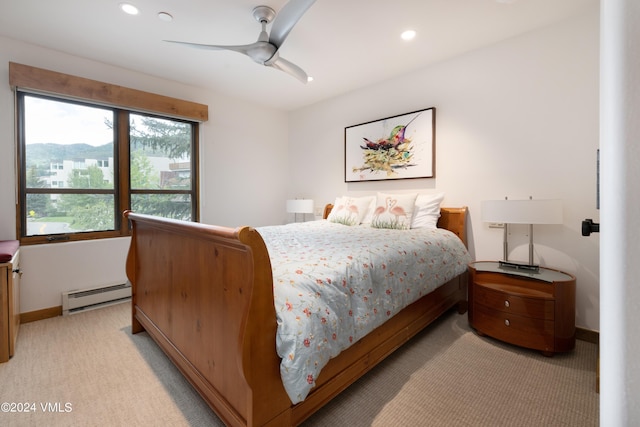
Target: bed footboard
[[205, 294]]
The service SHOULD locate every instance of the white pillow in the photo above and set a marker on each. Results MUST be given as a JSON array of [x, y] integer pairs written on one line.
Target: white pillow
[[349, 210], [394, 211], [372, 205], [427, 210]]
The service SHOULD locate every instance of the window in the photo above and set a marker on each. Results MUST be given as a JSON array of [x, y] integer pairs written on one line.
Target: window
[[83, 164], [120, 149], [160, 165]]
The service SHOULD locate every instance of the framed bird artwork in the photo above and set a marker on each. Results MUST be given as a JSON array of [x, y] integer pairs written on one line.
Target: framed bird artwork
[[397, 147]]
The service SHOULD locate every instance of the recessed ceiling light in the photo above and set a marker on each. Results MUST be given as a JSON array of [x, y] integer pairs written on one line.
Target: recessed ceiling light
[[129, 9], [164, 16], [408, 35], [309, 79]]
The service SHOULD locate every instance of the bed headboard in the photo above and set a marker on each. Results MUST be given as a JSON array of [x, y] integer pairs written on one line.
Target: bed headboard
[[452, 219]]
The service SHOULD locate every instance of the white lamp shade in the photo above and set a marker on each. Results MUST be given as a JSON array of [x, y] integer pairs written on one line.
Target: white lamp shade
[[300, 206], [522, 211]]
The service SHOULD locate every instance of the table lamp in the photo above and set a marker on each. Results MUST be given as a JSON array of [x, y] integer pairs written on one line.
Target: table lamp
[[521, 212], [302, 206]]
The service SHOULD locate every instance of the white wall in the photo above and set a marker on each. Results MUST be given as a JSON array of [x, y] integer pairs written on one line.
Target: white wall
[[245, 162], [234, 144], [516, 119]]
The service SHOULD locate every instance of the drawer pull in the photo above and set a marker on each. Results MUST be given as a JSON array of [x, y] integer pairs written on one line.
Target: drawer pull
[[506, 303], [506, 322]]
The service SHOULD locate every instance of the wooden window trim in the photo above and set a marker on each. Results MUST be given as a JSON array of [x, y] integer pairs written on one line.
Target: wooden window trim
[[52, 82]]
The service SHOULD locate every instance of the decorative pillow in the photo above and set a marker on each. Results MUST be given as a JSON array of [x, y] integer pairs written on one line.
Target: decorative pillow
[[338, 205], [349, 210], [427, 210], [372, 205], [394, 211]]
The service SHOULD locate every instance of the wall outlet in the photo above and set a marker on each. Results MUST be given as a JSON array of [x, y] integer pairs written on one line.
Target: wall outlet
[[319, 211], [496, 225]]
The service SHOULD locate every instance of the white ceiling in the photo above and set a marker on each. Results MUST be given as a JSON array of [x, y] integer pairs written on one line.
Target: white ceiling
[[343, 44]]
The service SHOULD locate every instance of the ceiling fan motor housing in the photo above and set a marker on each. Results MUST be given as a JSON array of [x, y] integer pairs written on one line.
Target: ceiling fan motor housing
[[264, 14]]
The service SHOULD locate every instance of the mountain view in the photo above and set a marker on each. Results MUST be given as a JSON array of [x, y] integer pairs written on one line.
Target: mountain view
[[45, 153]]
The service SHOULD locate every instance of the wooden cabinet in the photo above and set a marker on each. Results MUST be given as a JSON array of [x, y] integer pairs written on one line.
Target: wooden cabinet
[[533, 309], [9, 306]]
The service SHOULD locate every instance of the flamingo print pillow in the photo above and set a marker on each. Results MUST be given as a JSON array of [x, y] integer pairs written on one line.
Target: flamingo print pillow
[[349, 210], [394, 211]]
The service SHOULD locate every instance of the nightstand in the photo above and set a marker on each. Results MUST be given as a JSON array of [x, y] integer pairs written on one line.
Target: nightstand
[[9, 298], [533, 309]]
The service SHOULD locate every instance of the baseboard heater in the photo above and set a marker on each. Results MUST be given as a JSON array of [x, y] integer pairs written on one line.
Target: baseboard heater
[[89, 299]]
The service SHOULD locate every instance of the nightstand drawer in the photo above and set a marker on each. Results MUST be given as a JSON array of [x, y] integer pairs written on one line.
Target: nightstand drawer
[[536, 307], [520, 330]]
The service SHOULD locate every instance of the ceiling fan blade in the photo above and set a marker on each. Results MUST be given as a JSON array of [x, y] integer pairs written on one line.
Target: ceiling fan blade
[[289, 68], [240, 48], [259, 51], [286, 19]]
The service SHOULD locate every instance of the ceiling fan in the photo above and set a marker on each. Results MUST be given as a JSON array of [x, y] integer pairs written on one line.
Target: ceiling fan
[[265, 50]]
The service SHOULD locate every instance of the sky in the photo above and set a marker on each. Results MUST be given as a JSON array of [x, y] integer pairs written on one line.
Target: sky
[[49, 121]]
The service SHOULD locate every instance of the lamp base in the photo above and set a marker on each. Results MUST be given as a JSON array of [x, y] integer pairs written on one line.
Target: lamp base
[[518, 266]]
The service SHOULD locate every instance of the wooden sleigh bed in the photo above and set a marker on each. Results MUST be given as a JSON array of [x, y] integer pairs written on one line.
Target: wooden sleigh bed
[[205, 295]]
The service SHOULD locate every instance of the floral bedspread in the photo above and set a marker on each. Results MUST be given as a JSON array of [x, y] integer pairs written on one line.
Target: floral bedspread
[[333, 284]]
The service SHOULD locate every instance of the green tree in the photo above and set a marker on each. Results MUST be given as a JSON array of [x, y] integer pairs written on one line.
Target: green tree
[[152, 137], [170, 138], [142, 174], [39, 204], [89, 211]]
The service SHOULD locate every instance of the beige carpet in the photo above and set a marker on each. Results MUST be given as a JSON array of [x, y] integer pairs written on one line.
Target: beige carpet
[[88, 370]]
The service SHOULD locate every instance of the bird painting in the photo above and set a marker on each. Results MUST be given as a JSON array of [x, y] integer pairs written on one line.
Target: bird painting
[[395, 138], [389, 153]]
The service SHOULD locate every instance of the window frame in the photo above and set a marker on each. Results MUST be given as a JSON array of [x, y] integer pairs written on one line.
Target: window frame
[[31, 81]]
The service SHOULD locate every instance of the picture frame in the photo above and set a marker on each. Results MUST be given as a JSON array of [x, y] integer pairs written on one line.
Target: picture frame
[[396, 147]]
